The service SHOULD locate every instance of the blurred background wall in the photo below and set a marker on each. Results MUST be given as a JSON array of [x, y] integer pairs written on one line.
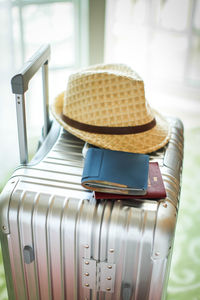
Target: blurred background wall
[[160, 39]]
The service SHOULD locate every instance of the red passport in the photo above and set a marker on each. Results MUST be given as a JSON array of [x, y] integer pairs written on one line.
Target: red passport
[[155, 190]]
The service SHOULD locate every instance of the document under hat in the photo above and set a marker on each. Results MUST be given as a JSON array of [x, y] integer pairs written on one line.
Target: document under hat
[[115, 172]]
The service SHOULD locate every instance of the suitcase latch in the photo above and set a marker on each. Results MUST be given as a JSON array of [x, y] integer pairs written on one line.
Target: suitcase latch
[[99, 276]]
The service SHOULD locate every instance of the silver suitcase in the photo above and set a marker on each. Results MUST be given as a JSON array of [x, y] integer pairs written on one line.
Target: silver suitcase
[[58, 242]]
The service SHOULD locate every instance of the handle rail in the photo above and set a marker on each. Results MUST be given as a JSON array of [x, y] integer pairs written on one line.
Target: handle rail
[[19, 84]]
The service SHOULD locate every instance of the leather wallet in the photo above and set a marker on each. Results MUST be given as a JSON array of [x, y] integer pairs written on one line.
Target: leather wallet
[[115, 172]]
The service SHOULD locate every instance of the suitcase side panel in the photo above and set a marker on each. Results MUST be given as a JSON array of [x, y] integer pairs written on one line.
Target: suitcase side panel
[[66, 230], [50, 225], [131, 234], [7, 265], [20, 219]]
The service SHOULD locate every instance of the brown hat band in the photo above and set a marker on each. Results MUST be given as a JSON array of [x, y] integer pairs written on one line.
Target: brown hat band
[[108, 129]]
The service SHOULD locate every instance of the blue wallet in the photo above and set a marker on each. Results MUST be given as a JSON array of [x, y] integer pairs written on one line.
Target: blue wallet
[[115, 172]]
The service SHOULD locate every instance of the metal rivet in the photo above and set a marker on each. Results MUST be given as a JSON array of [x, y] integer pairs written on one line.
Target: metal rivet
[[157, 253], [87, 284], [86, 246], [111, 250], [87, 262], [109, 267], [86, 274], [165, 205], [109, 278], [108, 289], [4, 227]]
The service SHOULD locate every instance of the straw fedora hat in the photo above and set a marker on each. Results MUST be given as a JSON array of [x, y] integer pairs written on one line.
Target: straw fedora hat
[[105, 105]]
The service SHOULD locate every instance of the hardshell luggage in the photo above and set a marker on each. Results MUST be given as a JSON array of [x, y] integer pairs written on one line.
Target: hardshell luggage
[[58, 242]]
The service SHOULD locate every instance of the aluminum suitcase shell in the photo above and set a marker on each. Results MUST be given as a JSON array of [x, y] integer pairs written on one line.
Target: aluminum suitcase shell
[[58, 242]]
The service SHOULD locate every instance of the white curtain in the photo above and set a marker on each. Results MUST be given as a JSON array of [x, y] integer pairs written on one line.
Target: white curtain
[[158, 38]]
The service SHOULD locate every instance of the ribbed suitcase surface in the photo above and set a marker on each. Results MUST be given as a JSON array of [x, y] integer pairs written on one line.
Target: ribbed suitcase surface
[[58, 242]]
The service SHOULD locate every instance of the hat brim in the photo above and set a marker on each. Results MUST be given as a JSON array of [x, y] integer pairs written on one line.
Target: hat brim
[[144, 142]]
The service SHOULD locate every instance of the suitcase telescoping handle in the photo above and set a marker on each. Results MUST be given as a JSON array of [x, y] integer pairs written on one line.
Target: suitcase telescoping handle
[[19, 85]]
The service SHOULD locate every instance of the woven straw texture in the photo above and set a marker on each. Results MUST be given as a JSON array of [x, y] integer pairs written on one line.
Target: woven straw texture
[[111, 95]]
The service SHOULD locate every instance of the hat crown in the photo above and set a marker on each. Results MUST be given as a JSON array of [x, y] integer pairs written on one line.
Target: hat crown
[[105, 106], [107, 95]]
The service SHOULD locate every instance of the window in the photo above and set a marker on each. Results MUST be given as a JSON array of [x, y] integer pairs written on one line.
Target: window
[[25, 26], [60, 23]]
